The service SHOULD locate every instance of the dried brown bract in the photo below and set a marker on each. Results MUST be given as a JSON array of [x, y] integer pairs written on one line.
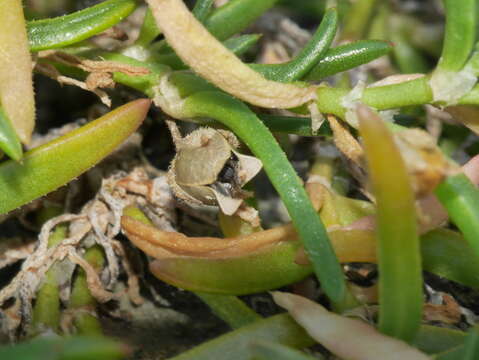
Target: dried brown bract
[[425, 162]]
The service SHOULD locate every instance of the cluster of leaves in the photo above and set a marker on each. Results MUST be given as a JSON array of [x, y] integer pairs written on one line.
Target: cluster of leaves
[[202, 41]]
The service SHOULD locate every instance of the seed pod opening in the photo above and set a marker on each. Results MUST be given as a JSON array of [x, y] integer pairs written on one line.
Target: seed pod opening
[[208, 171]]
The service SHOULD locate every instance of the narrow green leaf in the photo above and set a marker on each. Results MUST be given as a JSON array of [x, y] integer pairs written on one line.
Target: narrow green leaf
[[230, 309], [471, 345], [236, 344], [435, 339], [446, 253], [148, 31], [308, 56], [469, 350], [400, 280], [459, 35], [461, 200], [46, 311], [269, 351], [293, 125], [72, 28], [81, 298], [52, 165], [244, 123], [9, 141], [408, 59], [70, 348], [348, 56], [202, 9], [235, 16]]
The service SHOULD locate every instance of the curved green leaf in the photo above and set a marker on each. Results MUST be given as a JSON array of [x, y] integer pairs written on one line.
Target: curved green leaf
[[460, 34], [52, 165], [235, 16], [461, 199], [236, 345], [348, 56], [400, 281], [9, 141], [240, 119], [72, 28], [308, 56]]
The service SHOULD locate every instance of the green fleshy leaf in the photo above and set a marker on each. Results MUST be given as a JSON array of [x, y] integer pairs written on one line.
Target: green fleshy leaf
[[269, 350], [235, 16], [70, 348], [308, 56], [52, 165], [244, 123], [460, 34], [9, 141], [348, 56], [461, 200], [72, 28], [236, 345], [400, 280]]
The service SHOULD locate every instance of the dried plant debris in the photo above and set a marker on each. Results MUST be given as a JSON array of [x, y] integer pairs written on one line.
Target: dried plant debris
[[100, 72], [98, 222]]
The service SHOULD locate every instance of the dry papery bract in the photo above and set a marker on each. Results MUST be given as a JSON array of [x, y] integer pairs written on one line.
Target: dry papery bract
[[98, 222], [100, 72], [425, 162], [207, 170], [431, 213], [203, 53]]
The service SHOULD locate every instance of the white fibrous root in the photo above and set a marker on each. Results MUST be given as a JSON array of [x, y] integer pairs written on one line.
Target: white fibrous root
[[350, 101], [346, 338], [449, 86], [98, 222], [210, 59]]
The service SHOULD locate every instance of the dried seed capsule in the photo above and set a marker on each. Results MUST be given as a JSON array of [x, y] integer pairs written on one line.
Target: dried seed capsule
[[208, 171]]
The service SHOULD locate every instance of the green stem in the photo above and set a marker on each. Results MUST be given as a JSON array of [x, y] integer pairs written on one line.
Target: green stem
[[82, 304], [46, 312], [408, 93], [244, 123], [269, 350], [358, 19]]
